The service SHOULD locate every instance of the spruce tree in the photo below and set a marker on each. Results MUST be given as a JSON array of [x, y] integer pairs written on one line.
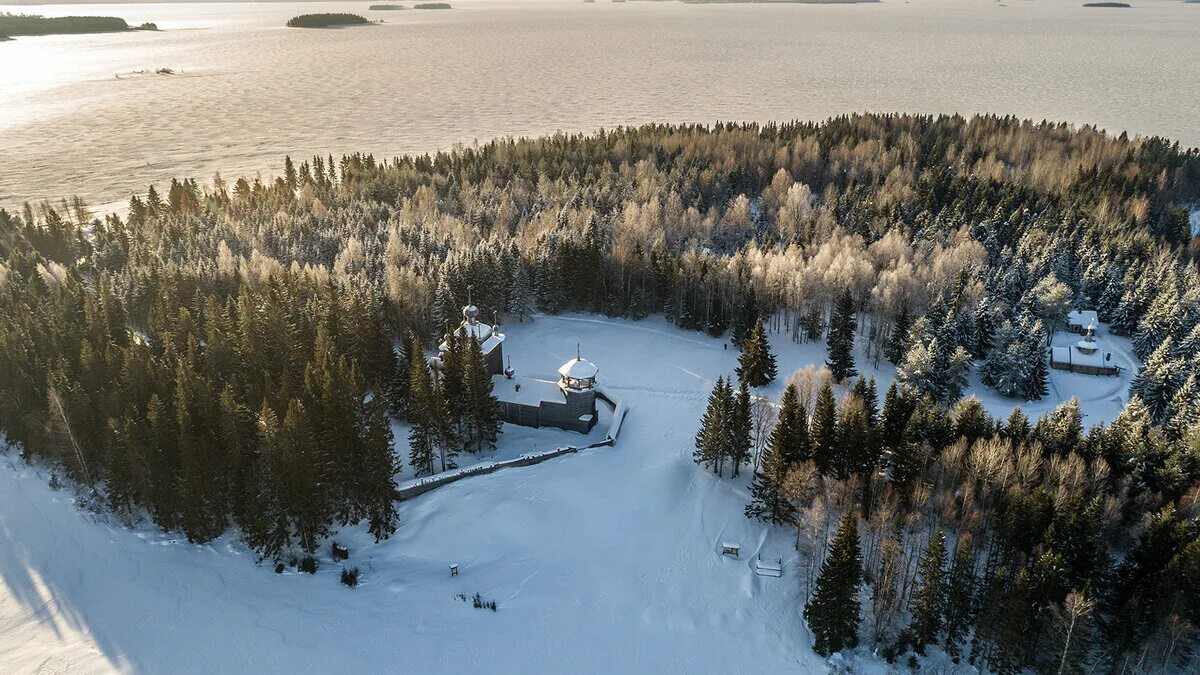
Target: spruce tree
[[855, 445], [423, 410], [520, 302], [833, 611], [452, 384], [740, 425], [375, 482], [711, 440], [893, 419], [768, 500], [929, 598], [400, 384], [756, 364], [840, 342], [481, 409], [897, 344], [823, 432], [790, 434], [787, 446], [269, 533], [1158, 380], [1037, 384], [960, 596], [745, 314]]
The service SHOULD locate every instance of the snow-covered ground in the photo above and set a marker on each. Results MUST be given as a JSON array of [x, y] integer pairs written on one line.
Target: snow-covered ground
[[603, 561]]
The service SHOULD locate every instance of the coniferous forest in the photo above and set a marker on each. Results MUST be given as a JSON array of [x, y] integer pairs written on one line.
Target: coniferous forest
[[229, 356]]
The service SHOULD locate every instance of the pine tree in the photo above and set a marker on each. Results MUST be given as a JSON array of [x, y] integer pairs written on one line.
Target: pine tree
[[756, 364], [833, 611], [929, 598], [840, 342], [823, 432]]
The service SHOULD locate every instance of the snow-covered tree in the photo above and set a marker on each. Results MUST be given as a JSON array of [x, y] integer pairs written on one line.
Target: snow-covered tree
[[1158, 381]]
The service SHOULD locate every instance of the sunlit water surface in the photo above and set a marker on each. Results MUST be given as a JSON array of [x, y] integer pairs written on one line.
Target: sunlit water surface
[[75, 118]]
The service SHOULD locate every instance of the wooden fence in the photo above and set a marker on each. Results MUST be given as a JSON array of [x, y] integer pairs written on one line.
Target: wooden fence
[[433, 482]]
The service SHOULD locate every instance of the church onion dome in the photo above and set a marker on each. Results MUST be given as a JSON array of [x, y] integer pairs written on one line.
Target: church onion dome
[[578, 369], [471, 312]]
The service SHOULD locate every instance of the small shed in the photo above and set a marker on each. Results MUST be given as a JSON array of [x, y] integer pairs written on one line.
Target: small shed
[[734, 550], [454, 569]]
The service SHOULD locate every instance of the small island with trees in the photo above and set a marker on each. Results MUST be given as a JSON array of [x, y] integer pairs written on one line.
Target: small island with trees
[[432, 5], [386, 8], [326, 20], [15, 25], [1107, 4]]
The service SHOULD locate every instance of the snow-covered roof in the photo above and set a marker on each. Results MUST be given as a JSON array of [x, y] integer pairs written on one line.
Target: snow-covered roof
[[490, 343], [579, 369], [1072, 355], [1082, 317], [533, 390]]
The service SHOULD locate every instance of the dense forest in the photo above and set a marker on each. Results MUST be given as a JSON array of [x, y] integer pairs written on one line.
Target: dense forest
[[35, 24], [230, 355]]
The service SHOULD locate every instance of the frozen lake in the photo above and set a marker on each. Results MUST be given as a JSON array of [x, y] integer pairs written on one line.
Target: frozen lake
[[76, 117]]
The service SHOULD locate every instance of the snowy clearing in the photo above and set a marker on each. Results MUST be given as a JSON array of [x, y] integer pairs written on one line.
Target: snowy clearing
[[609, 560]]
